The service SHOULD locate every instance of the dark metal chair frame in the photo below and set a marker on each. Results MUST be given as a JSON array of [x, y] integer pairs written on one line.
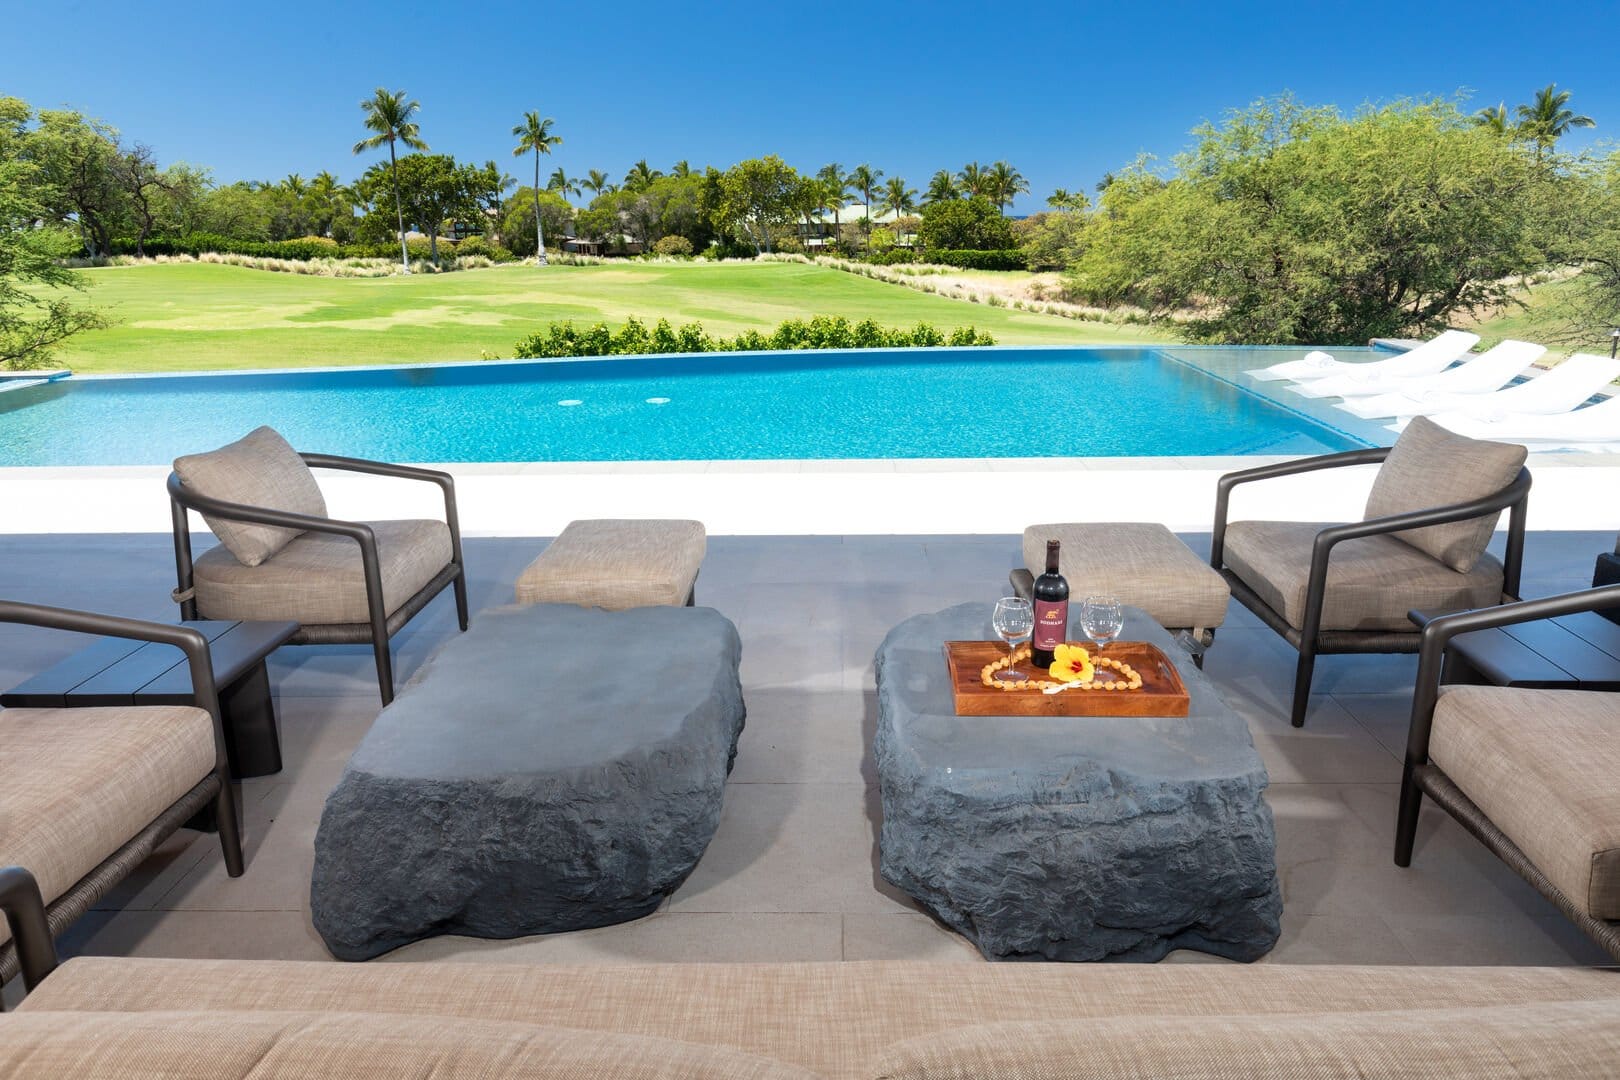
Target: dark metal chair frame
[[215, 789], [1310, 639], [1420, 776], [380, 626]]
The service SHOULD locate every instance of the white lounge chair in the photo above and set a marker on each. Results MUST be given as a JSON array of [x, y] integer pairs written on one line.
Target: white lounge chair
[[1598, 423], [1430, 357], [1553, 394], [1487, 372]]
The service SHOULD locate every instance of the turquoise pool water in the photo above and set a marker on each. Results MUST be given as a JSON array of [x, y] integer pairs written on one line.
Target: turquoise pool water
[[944, 403]]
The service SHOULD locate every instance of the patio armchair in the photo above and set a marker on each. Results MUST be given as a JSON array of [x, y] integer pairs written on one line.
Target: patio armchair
[[281, 557], [1531, 773], [1348, 588], [86, 794]]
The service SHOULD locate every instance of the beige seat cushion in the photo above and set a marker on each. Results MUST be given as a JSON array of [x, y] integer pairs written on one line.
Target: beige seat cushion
[[260, 469], [78, 784], [616, 564], [1544, 765], [317, 580], [833, 1018], [1142, 563], [1431, 467], [345, 1046], [1566, 1039], [1371, 584]]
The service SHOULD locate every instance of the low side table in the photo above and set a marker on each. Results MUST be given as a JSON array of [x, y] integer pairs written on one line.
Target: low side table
[[1571, 652], [116, 671]]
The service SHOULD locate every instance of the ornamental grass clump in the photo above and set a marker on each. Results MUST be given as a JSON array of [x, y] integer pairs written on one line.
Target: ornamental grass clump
[[564, 339]]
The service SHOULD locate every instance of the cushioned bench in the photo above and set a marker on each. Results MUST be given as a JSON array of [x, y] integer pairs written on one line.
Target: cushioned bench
[[554, 768], [1141, 563], [617, 564]]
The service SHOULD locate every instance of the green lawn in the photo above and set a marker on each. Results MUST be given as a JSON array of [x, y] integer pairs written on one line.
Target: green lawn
[[1545, 319], [174, 317]]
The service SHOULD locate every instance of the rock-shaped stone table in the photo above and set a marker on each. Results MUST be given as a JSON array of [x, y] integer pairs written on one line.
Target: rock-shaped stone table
[[1072, 838], [553, 768]]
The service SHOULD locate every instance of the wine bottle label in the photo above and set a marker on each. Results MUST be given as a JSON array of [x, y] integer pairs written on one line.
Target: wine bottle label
[[1051, 624]]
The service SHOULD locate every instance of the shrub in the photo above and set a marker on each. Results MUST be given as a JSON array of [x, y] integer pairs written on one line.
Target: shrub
[[673, 245], [1010, 259], [822, 332], [892, 257], [481, 245]]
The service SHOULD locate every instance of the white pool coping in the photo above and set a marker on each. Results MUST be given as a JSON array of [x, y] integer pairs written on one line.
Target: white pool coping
[[849, 497]]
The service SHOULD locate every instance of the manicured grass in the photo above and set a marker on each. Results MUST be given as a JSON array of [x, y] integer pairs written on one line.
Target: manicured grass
[[190, 316]]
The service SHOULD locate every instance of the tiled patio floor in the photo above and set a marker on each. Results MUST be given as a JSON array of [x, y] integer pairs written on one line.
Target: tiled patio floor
[[792, 874]]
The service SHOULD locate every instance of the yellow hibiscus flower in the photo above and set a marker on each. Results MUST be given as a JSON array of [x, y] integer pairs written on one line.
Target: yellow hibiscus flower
[[1071, 663]]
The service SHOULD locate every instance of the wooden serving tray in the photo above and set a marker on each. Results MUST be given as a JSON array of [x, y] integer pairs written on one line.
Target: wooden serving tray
[[1162, 692]]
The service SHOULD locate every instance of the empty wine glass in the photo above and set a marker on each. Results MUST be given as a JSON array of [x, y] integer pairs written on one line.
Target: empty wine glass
[[1103, 619], [1014, 622]]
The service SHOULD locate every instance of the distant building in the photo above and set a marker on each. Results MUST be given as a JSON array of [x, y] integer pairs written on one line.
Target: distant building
[[818, 231]]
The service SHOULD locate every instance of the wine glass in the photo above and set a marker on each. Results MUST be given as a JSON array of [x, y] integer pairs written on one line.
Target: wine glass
[[1014, 621], [1103, 619]]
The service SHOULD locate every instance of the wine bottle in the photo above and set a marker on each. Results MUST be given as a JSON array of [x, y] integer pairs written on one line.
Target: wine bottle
[[1051, 612]]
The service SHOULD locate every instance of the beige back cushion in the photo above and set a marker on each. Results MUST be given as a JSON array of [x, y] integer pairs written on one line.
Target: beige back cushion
[[1430, 467], [1550, 1040], [343, 1046], [259, 469]]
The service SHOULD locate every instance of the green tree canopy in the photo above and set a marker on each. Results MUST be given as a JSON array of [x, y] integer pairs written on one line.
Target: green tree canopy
[[758, 196], [1288, 224], [973, 223]]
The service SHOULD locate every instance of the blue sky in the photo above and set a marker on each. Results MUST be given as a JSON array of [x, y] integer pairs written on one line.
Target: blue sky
[[1063, 91]]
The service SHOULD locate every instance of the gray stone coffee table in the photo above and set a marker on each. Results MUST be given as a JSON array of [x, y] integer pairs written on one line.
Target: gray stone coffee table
[[1072, 838], [553, 768]]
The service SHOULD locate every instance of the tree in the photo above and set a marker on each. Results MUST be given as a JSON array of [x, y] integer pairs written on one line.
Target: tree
[[1294, 225], [942, 187], [389, 117], [757, 195], [535, 134], [77, 162], [1064, 199], [434, 189], [1494, 119], [1005, 184], [897, 198], [973, 223], [596, 182], [31, 256], [681, 169], [834, 190], [974, 179], [640, 175], [136, 172], [1548, 118], [562, 184], [516, 222], [863, 178]]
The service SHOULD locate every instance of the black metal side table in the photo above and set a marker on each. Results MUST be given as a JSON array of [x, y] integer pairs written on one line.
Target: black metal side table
[[115, 671], [1570, 652]]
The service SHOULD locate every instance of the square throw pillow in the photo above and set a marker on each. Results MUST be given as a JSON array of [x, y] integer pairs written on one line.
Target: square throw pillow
[[261, 470], [1431, 467]]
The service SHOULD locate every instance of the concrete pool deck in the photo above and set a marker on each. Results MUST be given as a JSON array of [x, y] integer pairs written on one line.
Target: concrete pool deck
[[808, 497]]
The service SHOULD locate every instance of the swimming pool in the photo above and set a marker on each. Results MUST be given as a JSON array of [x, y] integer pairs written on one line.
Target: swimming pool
[[933, 403]]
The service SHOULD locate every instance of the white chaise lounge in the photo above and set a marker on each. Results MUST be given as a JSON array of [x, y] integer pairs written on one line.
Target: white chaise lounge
[[1486, 373], [1432, 356]]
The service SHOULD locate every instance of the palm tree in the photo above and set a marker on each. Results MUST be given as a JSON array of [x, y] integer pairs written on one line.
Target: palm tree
[[681, 168], [641, 176], [388, 116], [563, 184], [973, 179], [1549, 119], [596, 182], [1006, 184], [898, 198], [294, 185], [1064, 199], [535, 134], [864, 178], [942, 188], [834, 186], [1494, 119]]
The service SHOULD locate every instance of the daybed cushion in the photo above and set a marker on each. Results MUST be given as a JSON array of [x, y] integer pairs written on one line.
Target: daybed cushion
[[317, 579], [1371, 584], [1142, 563], [1431, 467], [1544, 765], [833, 1018], [616, 564], [343, 1046], [260, 469], [77, 784]]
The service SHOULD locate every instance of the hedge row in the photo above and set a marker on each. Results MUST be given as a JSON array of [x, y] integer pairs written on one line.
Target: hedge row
[[821, 332], [1009, 259], [305, 248]]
